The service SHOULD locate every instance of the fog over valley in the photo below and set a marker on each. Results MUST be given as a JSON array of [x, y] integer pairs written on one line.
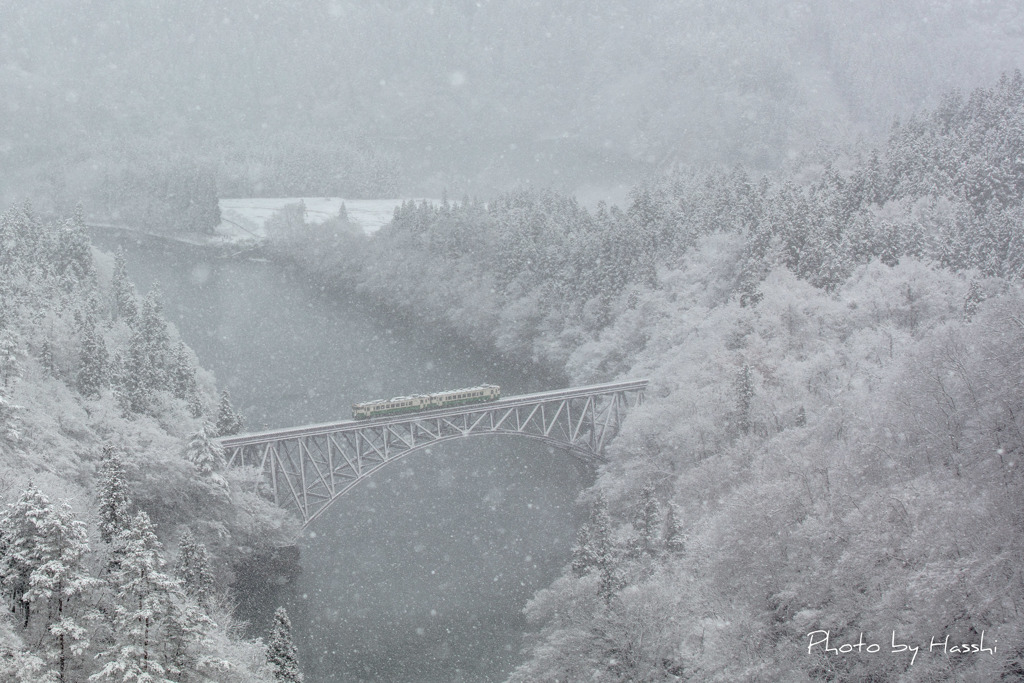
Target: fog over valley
[[467, 340]]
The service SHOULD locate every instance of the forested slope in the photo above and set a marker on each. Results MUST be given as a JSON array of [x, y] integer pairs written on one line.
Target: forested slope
[[106, 460], [833, 435]]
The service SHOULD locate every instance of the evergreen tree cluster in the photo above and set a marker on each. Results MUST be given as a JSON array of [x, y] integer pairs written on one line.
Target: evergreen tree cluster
[[84, 360], [51, 308], [112, 613]]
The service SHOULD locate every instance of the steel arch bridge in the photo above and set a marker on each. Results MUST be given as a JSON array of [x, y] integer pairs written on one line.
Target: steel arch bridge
[[310, 467]]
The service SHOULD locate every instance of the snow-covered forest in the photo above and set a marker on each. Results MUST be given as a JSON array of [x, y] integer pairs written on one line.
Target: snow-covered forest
[[121, 524], [833, 434], [802, 221]]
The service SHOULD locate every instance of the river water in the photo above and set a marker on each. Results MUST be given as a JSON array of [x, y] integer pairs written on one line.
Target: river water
[[420, 574]]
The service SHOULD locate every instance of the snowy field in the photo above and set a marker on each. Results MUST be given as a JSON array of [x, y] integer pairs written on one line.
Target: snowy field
[[247, 216]]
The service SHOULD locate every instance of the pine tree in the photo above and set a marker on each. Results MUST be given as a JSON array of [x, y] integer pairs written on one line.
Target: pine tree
[[648, 519], [281, 653], [92, 373], [73, 256], [151, 624], [22, 533], [604, 552], [228, 421], [673, 530], [134, 378], [122, 290], [183, 380], [193, 569], [60, 582], [115, 502], [203, 452], [150, 347]]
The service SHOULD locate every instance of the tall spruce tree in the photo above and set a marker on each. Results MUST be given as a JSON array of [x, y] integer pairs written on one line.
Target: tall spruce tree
[[122, 290], [60, 583], [150, 347], [193, 569], [93, 358], [228, 421], [183, 380], [281, 653], [203, 452], [602, 551], [134, 377], [115, 502], [145, 605], [22, 533]]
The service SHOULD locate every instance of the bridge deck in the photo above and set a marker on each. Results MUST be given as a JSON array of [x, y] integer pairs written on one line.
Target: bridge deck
[[505, 402]]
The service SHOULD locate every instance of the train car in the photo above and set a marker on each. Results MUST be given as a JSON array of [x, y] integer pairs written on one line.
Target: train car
[[420, 402]]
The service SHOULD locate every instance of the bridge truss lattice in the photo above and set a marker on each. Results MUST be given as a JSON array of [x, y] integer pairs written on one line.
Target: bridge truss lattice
[[308, 468]]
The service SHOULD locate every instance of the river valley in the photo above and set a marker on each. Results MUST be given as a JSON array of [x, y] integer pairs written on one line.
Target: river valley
[[420, 574]]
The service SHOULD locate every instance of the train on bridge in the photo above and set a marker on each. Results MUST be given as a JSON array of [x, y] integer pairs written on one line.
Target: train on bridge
[[420, 402]]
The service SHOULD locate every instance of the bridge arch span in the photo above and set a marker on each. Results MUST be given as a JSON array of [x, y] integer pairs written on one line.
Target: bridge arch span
[[309, 468]]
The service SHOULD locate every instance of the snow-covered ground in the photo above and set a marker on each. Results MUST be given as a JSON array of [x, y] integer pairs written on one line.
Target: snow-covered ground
[[245, 217]]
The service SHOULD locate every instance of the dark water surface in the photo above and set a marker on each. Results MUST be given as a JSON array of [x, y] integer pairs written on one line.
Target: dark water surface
[[421, 573]]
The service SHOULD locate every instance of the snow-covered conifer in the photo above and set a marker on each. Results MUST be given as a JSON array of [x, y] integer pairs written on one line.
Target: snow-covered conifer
[[228, 421], [92, 372], [10, 361], [59, 584], [604, 552], [123, 291], [145, 597], [281, 653], [73, 255], [150, 349], [203, 452], [114, 499], [673, 530], [183, 380], [46, 359], [23, 555], [193, 569], [135, 377]]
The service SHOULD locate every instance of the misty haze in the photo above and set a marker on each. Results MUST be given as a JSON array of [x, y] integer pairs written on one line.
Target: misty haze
[[458, 340]]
